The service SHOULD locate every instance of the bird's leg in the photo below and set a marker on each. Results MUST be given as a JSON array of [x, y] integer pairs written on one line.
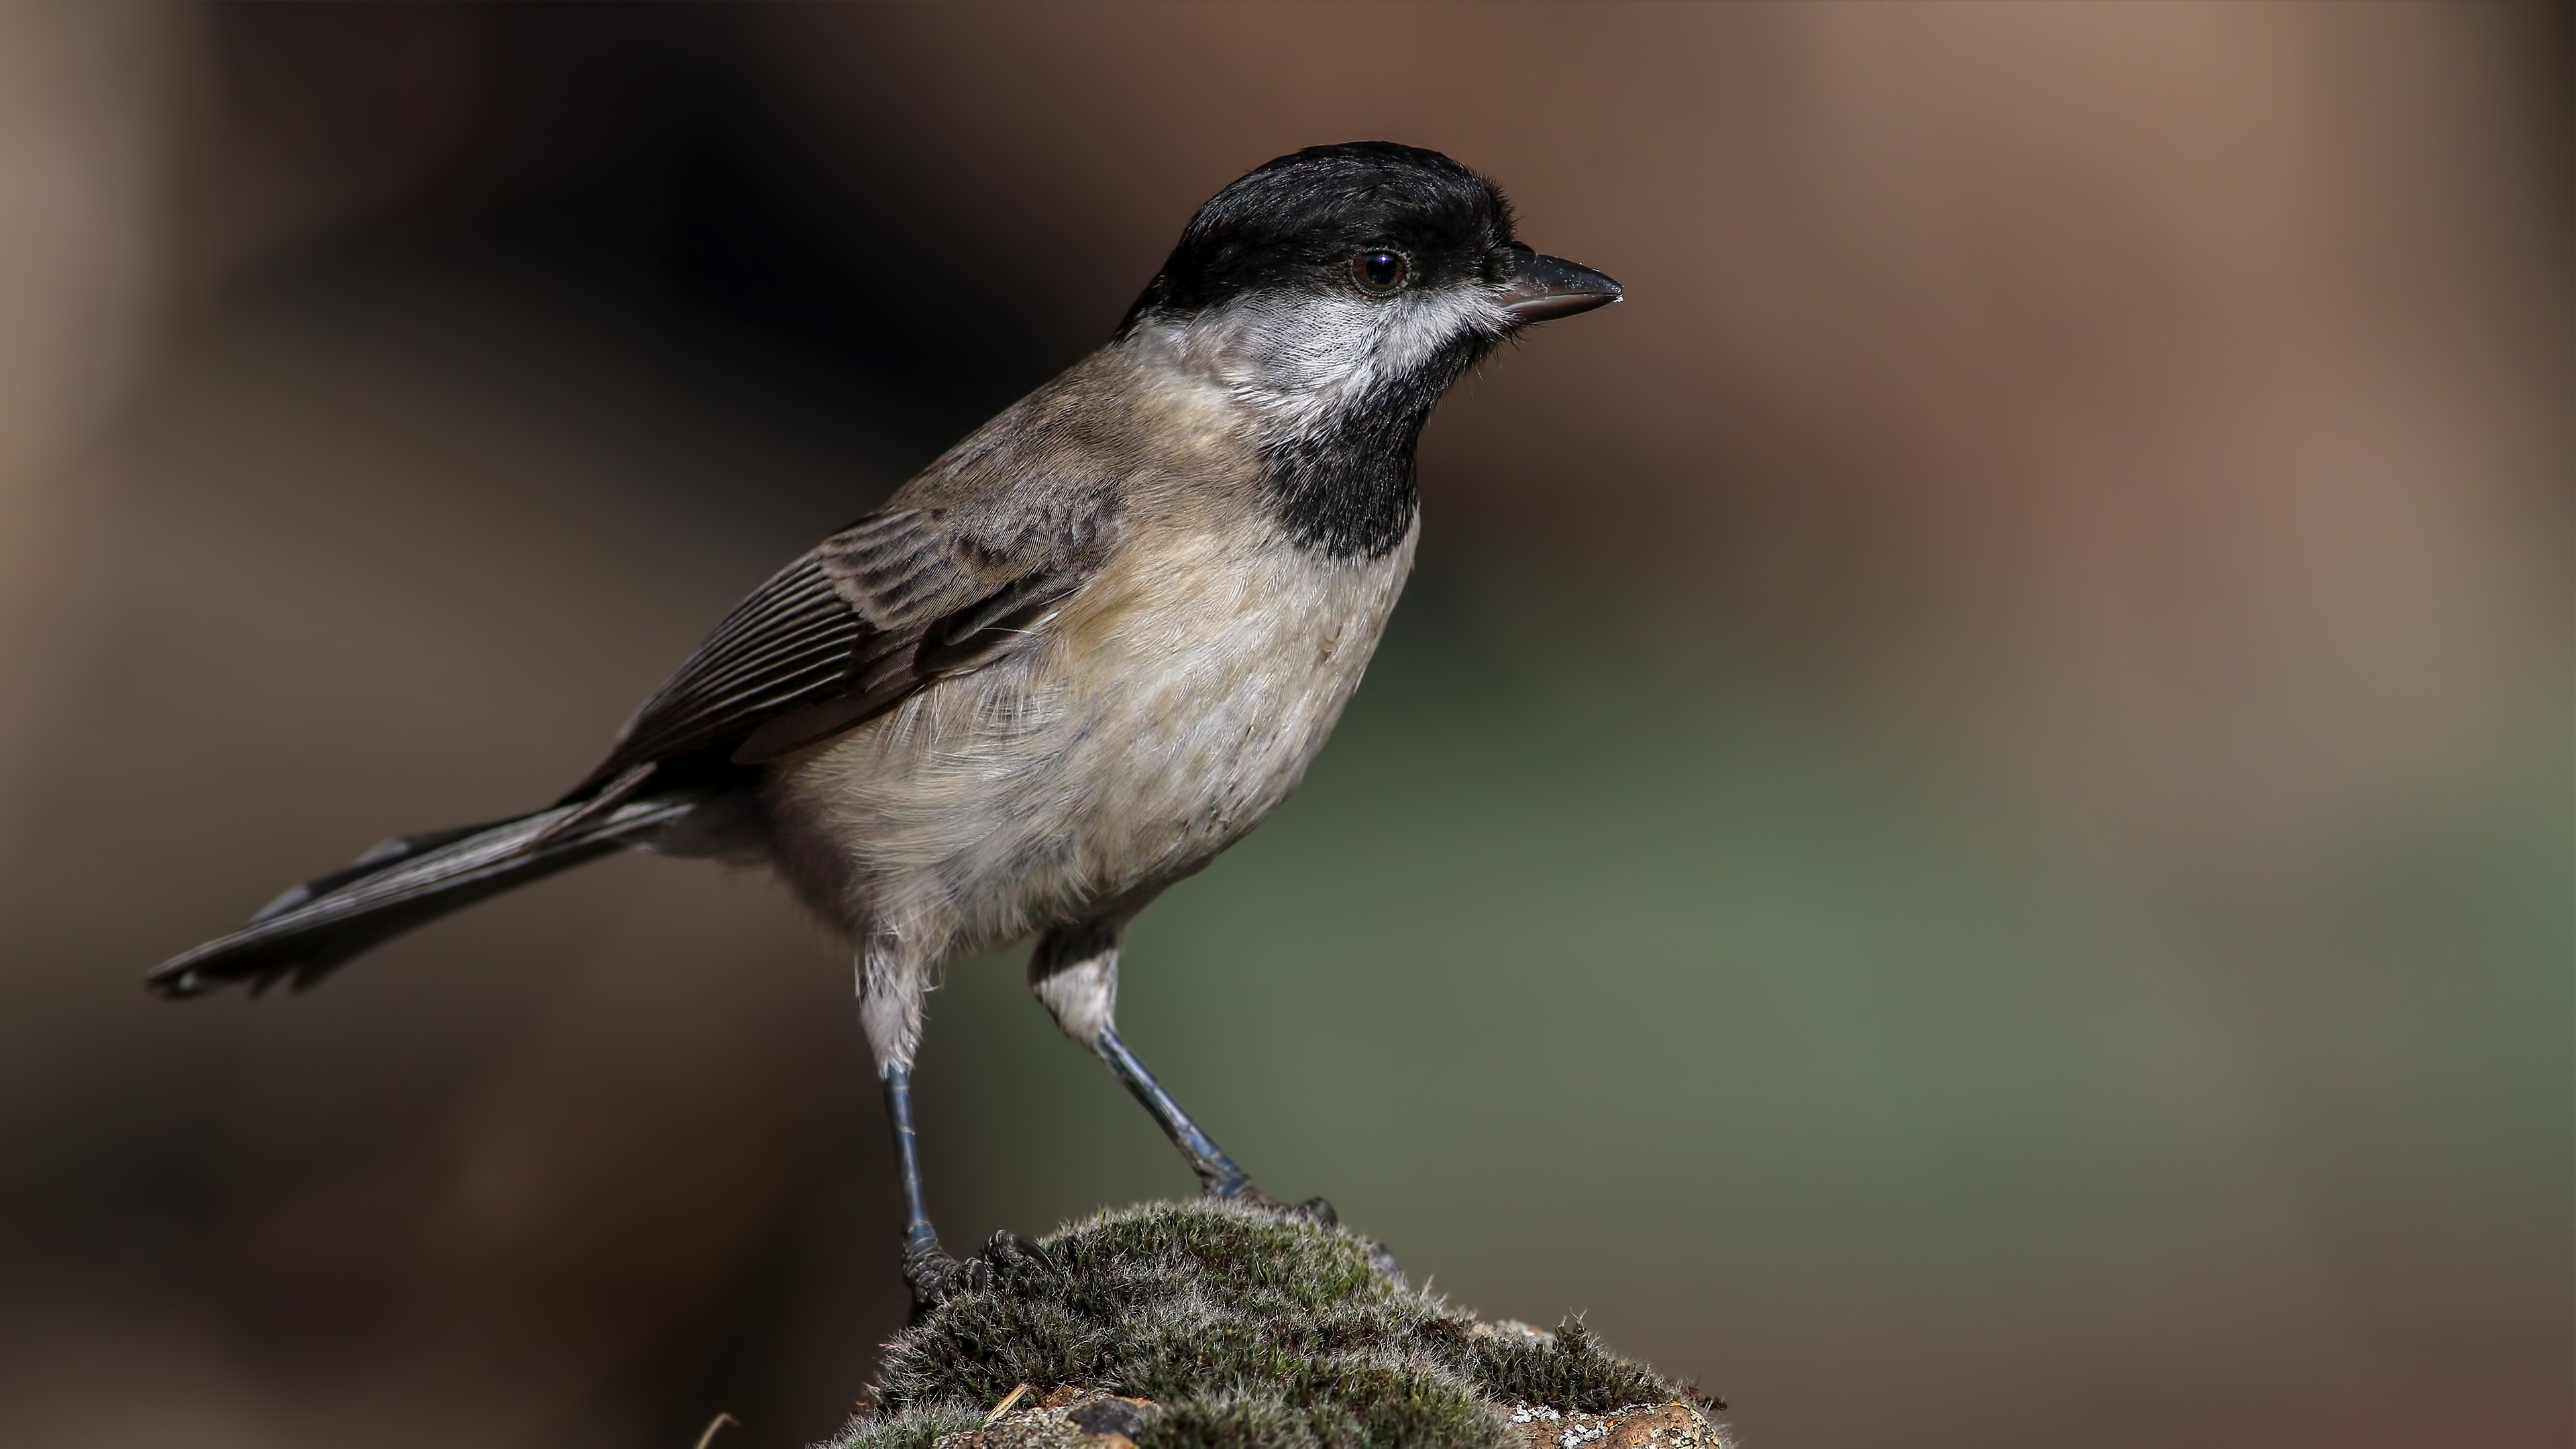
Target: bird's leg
[[933, 1276], [894, 1030], [920, 1239], [1218, 1176], [1075, 973]]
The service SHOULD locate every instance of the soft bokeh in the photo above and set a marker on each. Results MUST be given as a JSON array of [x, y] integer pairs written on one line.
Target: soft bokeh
[[1965, 834]]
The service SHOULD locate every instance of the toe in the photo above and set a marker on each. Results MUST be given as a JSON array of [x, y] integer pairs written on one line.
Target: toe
[[1010, 1247]]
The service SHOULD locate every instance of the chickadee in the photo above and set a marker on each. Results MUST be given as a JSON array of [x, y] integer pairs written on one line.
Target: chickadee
[[1084, 651]]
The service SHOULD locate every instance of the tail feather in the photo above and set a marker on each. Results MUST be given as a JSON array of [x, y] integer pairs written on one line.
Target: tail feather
[[305, 933], [377, 857]]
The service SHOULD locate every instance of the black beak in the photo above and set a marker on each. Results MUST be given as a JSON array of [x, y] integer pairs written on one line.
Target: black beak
[[1543, 287]]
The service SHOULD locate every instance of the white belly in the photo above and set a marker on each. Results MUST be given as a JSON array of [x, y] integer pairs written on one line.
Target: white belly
[[1176, 702]]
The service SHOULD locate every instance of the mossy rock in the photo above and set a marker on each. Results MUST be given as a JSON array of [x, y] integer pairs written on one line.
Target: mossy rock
[[1244, 1328]]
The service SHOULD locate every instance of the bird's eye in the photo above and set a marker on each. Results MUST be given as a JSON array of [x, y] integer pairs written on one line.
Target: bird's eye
[[1380, 272]]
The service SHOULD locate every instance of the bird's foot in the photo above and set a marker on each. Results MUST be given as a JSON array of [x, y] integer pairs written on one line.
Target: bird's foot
[[1241, 1189], [935, 1277]]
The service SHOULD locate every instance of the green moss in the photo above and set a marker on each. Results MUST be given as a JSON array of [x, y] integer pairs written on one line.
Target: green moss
[[1573, 1371], [915, 1428], [1251, 1329]]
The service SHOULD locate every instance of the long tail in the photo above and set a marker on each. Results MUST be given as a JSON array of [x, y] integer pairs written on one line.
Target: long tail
[[302, 935]]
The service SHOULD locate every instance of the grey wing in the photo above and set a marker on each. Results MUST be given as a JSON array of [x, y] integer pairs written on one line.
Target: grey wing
[[843, 634]]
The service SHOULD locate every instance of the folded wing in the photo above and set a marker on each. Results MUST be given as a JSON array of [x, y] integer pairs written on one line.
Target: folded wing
[[843, 634]]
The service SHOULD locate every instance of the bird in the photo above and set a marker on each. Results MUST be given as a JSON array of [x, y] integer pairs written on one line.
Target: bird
[[1081, 653]]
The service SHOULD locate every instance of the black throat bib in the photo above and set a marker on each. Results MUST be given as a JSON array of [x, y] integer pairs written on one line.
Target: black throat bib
[[1348, 490]]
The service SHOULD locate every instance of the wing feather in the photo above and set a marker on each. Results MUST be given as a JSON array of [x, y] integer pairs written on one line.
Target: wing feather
[[872, 614]]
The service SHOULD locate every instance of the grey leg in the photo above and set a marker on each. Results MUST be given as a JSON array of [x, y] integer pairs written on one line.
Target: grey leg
[[1218, 1176], [920, 1240], [890, 1008], [933, 1276], [1075, 973]]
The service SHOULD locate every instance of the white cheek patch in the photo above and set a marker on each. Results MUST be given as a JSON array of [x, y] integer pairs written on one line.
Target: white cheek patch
[[1303, 361]]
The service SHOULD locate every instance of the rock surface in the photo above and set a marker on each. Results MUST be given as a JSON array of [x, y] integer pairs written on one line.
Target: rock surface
[[1677, 1425]]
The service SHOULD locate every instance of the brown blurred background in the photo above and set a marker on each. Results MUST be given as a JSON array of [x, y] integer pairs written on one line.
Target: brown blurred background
[[1965, 835]]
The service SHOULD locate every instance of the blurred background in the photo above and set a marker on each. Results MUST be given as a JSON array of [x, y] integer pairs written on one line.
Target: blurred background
[[1965, 834]]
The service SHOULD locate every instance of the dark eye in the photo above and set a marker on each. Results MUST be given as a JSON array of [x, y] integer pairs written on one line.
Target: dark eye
[[1380, 272]]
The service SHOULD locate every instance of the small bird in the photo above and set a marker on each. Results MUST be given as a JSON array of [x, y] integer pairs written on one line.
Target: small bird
[[1084, 651]]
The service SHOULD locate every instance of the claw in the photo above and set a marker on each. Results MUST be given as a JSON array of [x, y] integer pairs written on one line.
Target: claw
[[1009, 1247], [935, 1277], [1384, 1262]]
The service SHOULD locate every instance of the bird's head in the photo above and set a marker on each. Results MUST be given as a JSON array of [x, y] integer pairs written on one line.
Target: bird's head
[[1352, 280]]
